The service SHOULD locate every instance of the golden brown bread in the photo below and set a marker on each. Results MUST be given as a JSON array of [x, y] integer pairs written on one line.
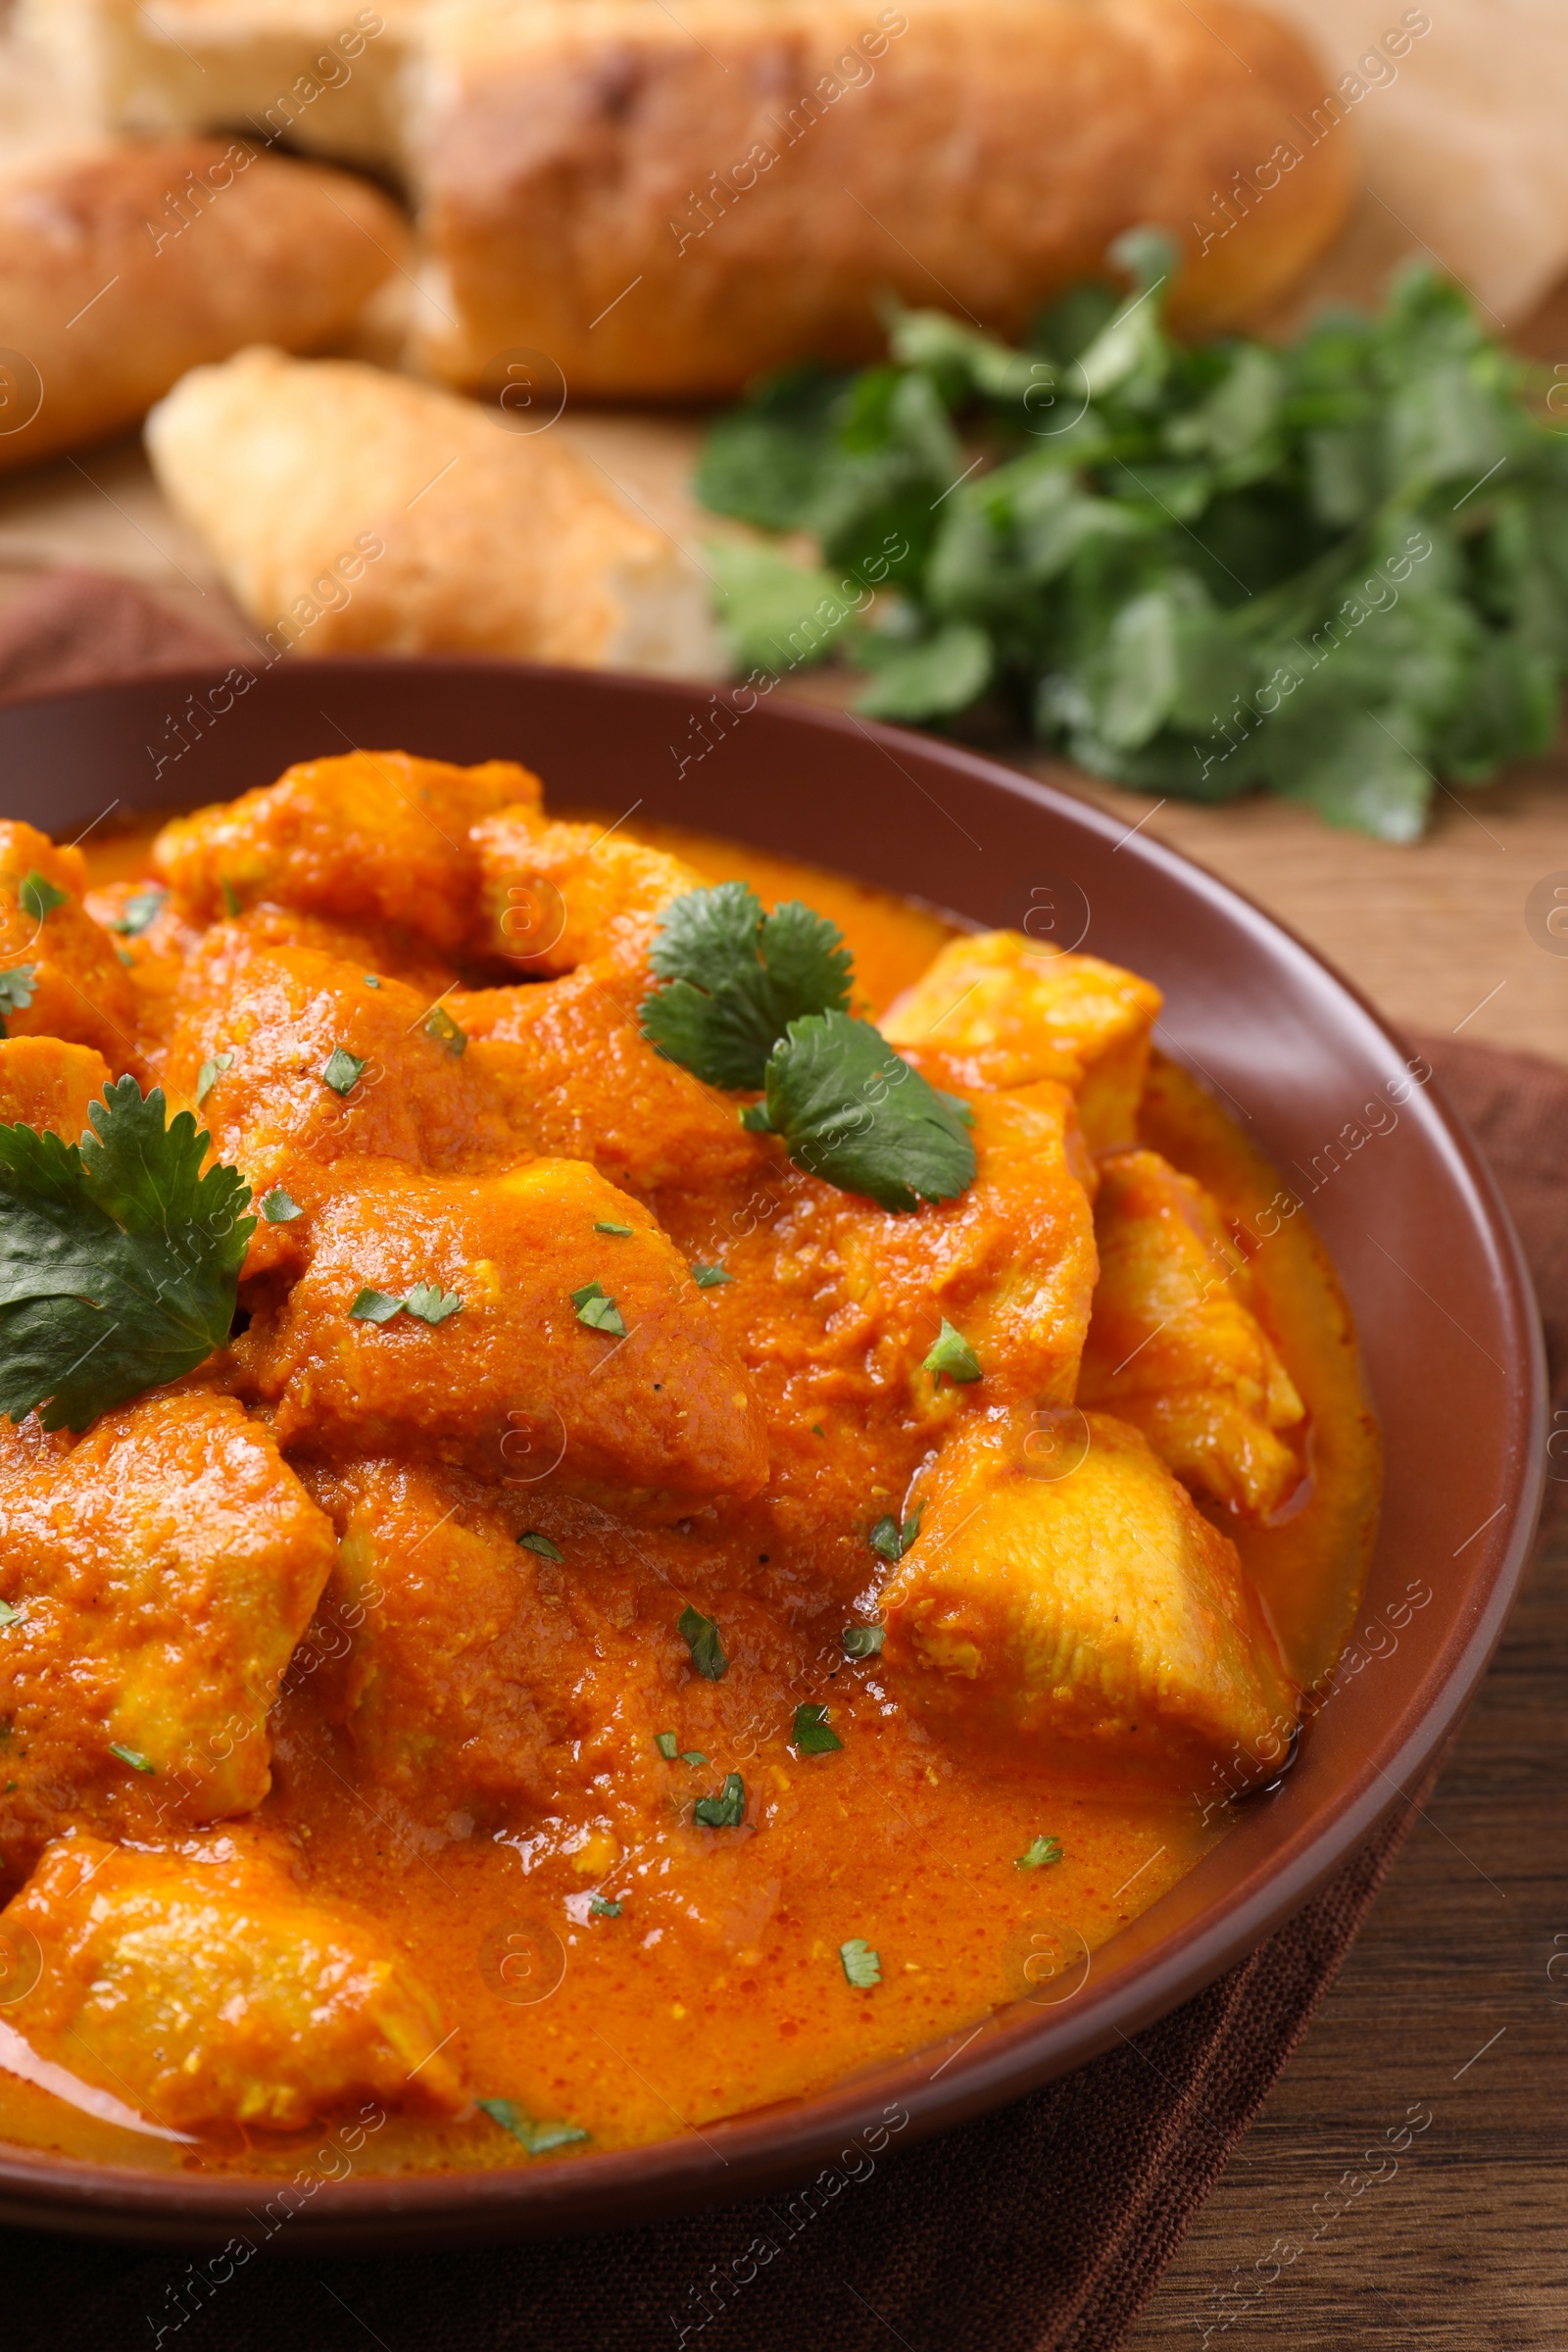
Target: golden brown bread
[[124, 267]]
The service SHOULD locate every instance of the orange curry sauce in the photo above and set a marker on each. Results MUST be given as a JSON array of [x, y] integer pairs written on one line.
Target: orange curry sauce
[[599, 1958]]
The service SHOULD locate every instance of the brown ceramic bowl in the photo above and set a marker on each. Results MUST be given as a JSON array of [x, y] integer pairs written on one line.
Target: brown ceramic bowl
[[1441, 1297]]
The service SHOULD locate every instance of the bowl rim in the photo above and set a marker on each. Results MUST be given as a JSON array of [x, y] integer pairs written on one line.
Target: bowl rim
[[1012, 2051]]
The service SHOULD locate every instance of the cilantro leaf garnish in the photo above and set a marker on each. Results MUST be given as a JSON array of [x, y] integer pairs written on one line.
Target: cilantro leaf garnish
[[280, 1207], [15, 991], [812, 1734], [341, 1070], [142, 908], [599, 1310], [864, 1641], [735, 978], [862, 1968], [666, 1742], [951, 1353], [727, 1810], [700, 1636], [893, 1541], [622, 1233], [374, 1306], [709, 1278], [852, 1113], [209, 1074], [439, 1025], [537, 2138], [8, 1615], [131, 1756], [603, 1908], [118, 1259], [1041, 1853], [534, 1542], [39, 895], [428, 1303], [693, 1756]]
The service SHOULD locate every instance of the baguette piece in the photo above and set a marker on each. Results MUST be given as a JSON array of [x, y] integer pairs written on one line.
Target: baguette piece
[[124, 267], [667, 202], [351, 510]]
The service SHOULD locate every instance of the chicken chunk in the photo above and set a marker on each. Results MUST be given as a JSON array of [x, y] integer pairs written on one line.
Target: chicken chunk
[[554, 895], [212, 1992], [549, 1279], [46, 1083], [64, 978], [377, 837], [1174, 1346], [1062, 1591], [1005, 1010], [156, 1574]]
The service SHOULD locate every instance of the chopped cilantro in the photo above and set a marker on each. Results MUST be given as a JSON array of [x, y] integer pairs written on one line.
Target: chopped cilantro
[[951, 1353], [693, 1756], [756, 1120], [439, 1024], [8, 1615], [428, 1303], [537, 2138], [727, 1810], [709, 1278], [700, 1636], [131, 1756], [230, 897], [666, 1742], [374, 1306], [861, 1966], [534, 1542], [852, 1113], [598, 1311], [864, 1641], [1042, 1853], [735, 978], [812, 1734], [370, 980], [15, 991], [38, 897], [622, 1233], [142, 908], [602, 1908], [209, 1074], [341, 1070], [280, 1207], [118, 1259], [890, 1539]]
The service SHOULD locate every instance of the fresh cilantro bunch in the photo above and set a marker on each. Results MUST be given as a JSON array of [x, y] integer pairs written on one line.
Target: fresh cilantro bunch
[[754, 1001], [1337, 572], [118, 1259]]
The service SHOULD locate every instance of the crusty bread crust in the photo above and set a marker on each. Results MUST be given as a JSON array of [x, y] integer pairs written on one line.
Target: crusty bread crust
[[664, 207], [121, 268], [351, 510]]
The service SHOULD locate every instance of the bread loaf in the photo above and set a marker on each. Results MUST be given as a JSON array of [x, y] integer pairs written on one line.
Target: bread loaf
[[121, 268], [351, 510]]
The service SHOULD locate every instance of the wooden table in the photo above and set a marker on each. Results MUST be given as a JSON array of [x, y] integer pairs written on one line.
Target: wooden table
[[1455, 2003]]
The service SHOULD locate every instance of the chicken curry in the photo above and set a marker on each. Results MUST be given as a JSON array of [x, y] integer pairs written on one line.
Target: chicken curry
[[631, 1476]]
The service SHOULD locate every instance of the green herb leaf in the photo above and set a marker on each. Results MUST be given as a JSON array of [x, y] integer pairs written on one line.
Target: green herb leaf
[[39, 895], [852, 1113], [862, 1968], [667, 1743], [439, 1024], [622, 1233], [210, 1073], [598, 1311], [118, 1259], [780, 615], [15, 991], [280, 1207], [951, 1353], [374, 1306], [534, 1542], [428, 1303], [864, 1641], [700, 1637], [893, 1541], [141, 908], [1041, 1853], [538, 2139], [755, 1119], [811, 1735], [603, 1908], [8, 1615], [131, 1756], [230, 897], [693, 1756], [709, 1278], [371, 981], [341, 1070], [727, 1810], [735, 978]]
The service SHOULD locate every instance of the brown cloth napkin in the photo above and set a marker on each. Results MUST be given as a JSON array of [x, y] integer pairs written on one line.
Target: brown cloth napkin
[[1040, 2229]]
